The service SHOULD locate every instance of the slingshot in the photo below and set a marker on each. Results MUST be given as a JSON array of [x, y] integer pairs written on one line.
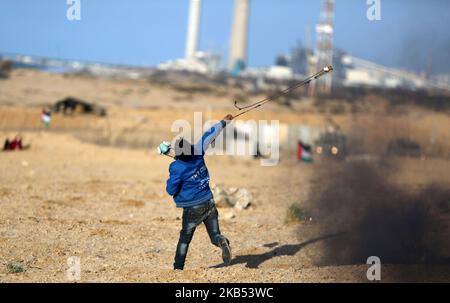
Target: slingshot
[[308, 80]]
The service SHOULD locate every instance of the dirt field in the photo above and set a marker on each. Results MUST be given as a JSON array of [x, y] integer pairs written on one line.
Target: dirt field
[[106, 205]]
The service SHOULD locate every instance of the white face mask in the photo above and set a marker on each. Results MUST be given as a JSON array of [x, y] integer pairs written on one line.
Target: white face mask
[[164, 148]]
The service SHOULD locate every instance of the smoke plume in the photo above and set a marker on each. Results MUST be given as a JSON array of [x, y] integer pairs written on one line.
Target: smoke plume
[[376, 218]]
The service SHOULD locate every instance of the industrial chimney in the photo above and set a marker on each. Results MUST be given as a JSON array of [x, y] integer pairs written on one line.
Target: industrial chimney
[[324, 48], [238, 47], [193, 28]]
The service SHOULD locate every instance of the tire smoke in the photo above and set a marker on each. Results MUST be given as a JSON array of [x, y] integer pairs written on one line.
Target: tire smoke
[[373, 217]]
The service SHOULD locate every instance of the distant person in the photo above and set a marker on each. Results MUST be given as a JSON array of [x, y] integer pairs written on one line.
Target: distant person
[[189, 185], [6, 145], [46, 117], [15, 144]]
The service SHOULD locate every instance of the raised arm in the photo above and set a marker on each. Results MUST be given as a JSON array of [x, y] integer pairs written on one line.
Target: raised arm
[[211, 134]]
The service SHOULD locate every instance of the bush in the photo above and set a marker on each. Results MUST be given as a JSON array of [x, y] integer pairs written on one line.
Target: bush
[[295, 213], [14, 268]]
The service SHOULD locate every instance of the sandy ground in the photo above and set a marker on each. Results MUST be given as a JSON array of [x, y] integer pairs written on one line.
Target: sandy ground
[[108, 206]]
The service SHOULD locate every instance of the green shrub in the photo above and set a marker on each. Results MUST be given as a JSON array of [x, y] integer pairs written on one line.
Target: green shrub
[[14, 268], [296, 213]]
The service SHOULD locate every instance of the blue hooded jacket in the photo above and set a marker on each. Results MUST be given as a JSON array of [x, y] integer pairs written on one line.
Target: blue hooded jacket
[[188, 182]]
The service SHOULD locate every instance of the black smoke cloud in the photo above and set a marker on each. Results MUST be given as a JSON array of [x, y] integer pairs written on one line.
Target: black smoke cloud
[[373, 217]]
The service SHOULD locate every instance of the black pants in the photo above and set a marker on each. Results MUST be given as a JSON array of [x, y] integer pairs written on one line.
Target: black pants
[[192, 217]]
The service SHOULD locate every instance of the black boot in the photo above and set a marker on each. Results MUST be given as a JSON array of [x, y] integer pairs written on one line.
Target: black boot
[[224, 244]]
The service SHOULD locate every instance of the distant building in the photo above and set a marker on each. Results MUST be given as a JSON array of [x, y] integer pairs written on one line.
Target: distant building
[[279, 72], [363, 73], [238, 48], [201, 62], [193, 28], [194, 61], [362, 77]]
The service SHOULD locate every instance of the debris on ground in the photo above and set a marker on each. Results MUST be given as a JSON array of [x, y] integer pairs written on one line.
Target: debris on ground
[[229, 216], [72, 105], [152, 251], [239, 198]]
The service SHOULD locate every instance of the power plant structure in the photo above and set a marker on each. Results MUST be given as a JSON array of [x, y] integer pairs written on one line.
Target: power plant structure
[[356, 72], [193, 28], [208, 62], [238, 40], [194, 60], [324, 47], [239, 35]]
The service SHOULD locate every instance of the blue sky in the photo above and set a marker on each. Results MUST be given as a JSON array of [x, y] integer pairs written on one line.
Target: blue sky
[[148, 32]]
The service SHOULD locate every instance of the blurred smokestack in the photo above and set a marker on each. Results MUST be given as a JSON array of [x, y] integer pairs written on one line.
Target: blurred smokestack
[[238, 47], [324, 48], [193, 28]]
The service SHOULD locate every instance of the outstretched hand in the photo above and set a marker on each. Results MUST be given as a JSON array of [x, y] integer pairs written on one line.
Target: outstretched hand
[[228, 118]]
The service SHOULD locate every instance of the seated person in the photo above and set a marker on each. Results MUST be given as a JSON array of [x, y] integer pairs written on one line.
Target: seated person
[[15, 144]]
